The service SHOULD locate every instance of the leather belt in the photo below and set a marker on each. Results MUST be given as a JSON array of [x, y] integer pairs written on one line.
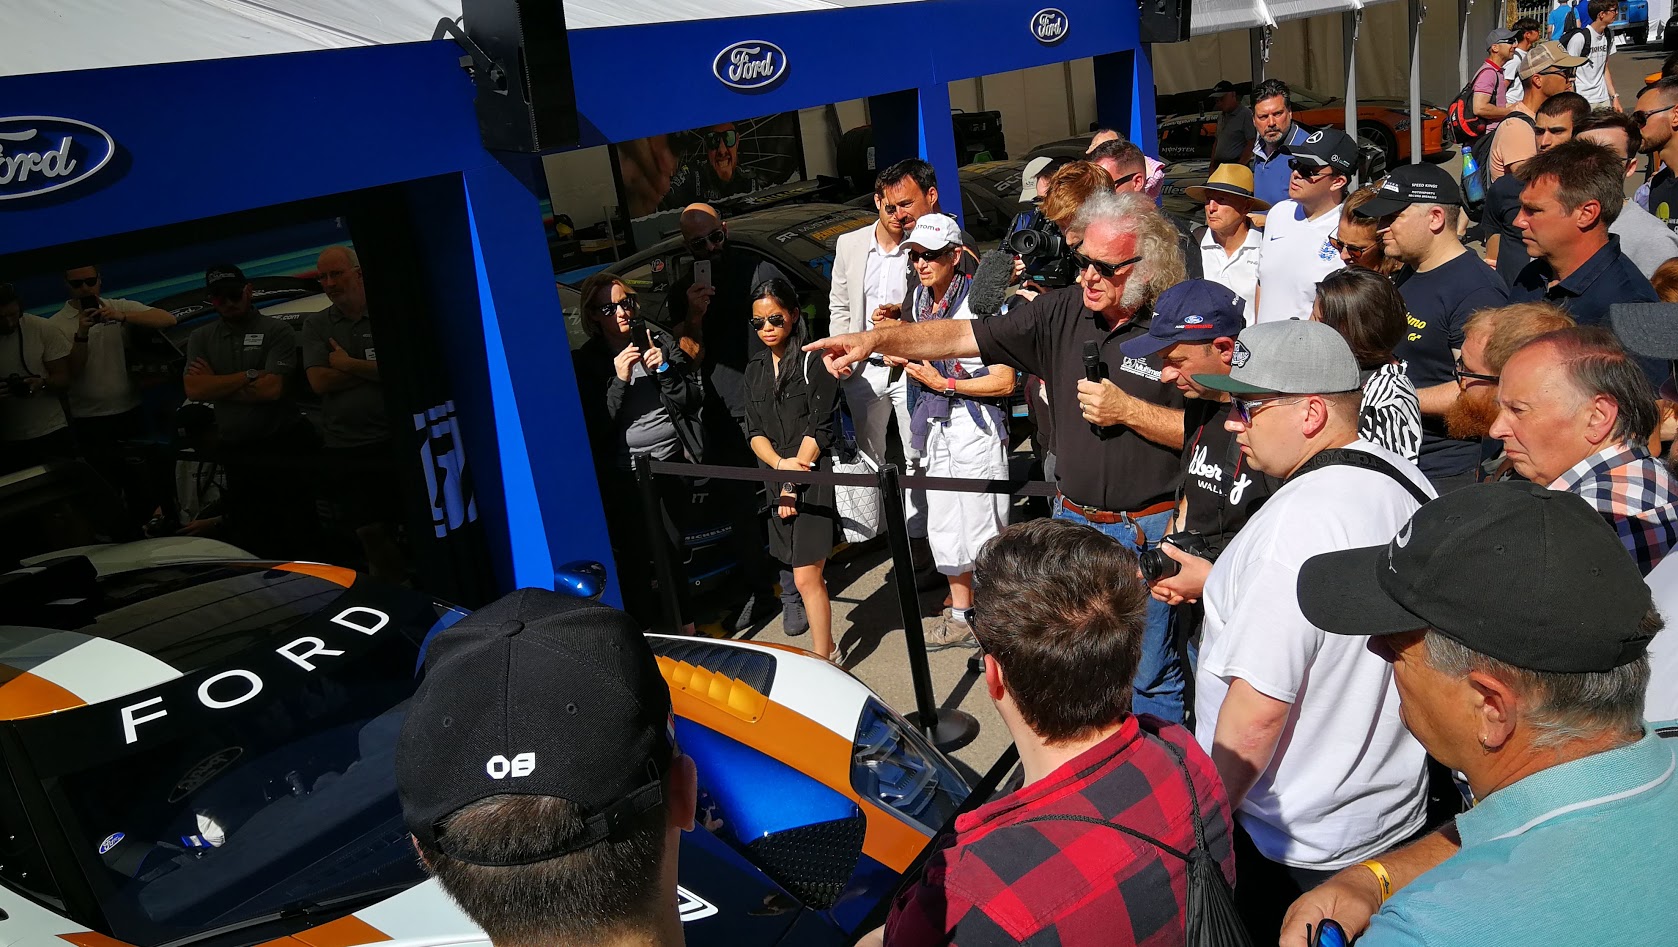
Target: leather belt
[[1108, 518]]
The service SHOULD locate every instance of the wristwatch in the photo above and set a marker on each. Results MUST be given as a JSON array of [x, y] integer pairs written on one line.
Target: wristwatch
[[250, 375], [949, 388]]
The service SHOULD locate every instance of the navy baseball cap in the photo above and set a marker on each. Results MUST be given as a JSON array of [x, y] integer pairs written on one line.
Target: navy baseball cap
[[1196, 310]]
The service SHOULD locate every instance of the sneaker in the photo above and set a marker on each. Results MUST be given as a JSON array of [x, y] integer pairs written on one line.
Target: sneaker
[[949, 631], [757, 609], [793, 619]]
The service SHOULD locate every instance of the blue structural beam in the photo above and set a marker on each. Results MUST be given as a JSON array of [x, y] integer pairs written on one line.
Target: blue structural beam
[[1124, 96], [915, 123]]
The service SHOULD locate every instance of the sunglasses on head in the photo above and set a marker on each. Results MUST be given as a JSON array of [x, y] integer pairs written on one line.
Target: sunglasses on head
[[1102, 268], [712, 239], [916, 256], [1245, 408], [607, 310], [1306, 169], [89, 282], [727, 139], [777, 320], [1640, 116]]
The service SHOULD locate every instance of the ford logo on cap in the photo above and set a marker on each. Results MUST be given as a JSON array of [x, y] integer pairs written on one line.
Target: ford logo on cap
[[40, 154], [1049, 26], [751, 65]]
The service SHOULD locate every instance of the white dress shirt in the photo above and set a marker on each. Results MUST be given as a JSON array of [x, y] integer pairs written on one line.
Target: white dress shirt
[[1238, 272]]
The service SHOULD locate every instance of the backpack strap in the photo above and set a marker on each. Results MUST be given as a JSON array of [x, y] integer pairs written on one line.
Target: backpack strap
[[1341, 457]]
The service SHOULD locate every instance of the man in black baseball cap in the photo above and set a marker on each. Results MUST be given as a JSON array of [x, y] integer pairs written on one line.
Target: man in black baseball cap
[[1296, 249], [1517, 630], [1417, 209], [539, 775], [1236, 132]]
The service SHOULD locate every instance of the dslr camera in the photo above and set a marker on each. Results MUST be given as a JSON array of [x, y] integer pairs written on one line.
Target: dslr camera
[[1156, 565], [1042, 247], [17, 386]]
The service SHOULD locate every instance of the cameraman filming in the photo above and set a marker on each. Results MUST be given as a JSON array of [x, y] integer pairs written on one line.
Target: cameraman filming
[[1194, 333]]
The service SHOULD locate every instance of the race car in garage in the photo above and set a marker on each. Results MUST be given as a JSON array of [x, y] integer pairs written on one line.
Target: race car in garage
[[201, 752], [1383, 126]]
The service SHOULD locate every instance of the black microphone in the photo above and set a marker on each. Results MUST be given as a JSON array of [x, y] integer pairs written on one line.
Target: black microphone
[[1093, 372], [990, 283]]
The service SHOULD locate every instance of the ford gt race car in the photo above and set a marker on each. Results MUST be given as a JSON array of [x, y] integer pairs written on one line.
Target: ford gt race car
[[202, 753]]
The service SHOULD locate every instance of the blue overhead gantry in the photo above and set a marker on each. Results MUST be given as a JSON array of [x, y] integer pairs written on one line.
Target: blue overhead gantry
[[131, 128]]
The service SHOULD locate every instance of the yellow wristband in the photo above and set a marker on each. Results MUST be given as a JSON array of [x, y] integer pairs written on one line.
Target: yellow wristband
[[1381, 876]]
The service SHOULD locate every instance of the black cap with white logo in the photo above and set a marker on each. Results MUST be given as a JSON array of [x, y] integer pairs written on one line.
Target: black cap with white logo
[[536, 694], [1412, 184], [1327, 146], [224, 274], [1532, 577]]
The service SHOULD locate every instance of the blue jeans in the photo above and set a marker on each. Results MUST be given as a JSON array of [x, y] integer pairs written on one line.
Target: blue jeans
[[1159, 674]]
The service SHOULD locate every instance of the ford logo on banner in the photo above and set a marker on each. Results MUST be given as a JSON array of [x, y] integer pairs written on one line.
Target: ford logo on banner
[[1050, 26], [40, 154], [751, 65]]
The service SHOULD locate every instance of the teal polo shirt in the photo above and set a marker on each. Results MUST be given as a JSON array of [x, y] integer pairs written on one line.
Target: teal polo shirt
[[1582, 853]]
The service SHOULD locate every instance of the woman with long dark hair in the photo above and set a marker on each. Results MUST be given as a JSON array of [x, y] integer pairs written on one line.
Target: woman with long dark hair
[[640, 395], [1367, 311], [789, 420]]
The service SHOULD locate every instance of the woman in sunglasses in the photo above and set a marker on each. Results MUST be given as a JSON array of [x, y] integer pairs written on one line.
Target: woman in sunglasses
[[958, 426], [1368, 312], [640, 395], [1355, 237], [790, 398]]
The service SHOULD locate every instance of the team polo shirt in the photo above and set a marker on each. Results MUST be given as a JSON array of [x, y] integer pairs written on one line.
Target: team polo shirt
[[258, 342], [356, 416], [1581, 853], [1118, 470]]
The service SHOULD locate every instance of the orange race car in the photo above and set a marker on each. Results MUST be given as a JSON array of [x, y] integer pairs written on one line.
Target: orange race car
[[1382, 124]]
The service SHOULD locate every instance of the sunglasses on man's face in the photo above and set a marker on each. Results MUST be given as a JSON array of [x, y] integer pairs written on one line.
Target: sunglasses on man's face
[[712, 239], [917, 256], [727, 139], [1640, 116], [608, 310], [1102, 268], [777, 320], [89, 282], [1559, 71], [1306, 169]]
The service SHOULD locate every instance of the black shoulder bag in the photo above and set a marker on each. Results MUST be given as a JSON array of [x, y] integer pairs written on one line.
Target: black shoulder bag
[[1340, 456]]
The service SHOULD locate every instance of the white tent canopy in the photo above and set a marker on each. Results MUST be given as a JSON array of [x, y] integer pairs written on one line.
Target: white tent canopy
[[1216, 16]]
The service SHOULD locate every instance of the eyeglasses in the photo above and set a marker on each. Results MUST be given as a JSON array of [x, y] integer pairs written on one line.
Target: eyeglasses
[[1102, 268], [1641, 116], [606, 310], [916, 256], [777, 320], [727, 139], [89, 282], [712, 239], [1306, 169], [1341, 246], [1245, 408], [1464, 376]]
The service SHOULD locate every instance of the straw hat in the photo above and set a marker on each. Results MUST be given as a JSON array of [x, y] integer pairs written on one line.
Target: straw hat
[[1236, 179]]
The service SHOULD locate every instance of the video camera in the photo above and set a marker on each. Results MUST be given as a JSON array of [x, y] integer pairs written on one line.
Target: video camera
[[1039, 244]]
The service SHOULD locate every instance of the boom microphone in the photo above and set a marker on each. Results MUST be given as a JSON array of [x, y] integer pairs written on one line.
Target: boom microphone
[[990, 283]]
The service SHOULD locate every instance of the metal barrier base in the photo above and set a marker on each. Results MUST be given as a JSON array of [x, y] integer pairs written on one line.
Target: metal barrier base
[[951, 729]]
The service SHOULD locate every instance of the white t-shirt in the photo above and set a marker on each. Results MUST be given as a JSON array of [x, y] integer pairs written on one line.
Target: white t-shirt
[[1347, 780], [26, 352], [1296, 255], [1512, 75], [1662, 700], [1238, 272], [1591, 79], [104, 387]]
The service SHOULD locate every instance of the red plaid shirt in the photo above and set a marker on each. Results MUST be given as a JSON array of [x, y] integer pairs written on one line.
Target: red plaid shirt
[[1065, 883]]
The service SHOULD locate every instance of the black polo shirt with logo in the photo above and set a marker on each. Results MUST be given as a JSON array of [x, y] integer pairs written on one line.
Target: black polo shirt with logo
[[1120, 470], [1606, 278], [257, 342], [1220, 486]]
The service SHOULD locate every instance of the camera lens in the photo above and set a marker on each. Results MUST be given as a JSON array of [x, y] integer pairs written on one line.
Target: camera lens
[[1156, 565]]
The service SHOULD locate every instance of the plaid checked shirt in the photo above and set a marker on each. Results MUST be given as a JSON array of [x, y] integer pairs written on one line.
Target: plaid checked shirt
[[1635, 494], [1068, 884]]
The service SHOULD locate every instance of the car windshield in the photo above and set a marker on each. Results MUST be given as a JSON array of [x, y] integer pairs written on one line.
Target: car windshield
[[258, 786]]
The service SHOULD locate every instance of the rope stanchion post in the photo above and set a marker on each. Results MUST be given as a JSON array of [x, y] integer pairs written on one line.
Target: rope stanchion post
[[652, 513], [948, 728]]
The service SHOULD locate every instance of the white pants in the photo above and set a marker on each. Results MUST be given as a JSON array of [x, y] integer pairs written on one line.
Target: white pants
[[958, 524], [874, 400]]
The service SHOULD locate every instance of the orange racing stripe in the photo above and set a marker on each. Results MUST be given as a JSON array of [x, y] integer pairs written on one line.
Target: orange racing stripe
[[29, 696], [92, 939], [337, 575]]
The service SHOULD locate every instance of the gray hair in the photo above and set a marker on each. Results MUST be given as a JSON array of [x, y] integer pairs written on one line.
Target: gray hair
[[348, 252], [1594, 361], [1156, 239], [1564, 707]]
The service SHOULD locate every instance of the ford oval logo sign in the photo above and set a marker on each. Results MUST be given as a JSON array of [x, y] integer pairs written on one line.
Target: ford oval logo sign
[[751, 65], [1050, 26], [40, 154]]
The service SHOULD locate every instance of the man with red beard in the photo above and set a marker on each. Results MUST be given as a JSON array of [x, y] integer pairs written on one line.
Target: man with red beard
[[1490, 337]]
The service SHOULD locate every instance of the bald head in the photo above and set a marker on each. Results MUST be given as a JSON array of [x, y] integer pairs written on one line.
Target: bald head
[[703, 230]]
